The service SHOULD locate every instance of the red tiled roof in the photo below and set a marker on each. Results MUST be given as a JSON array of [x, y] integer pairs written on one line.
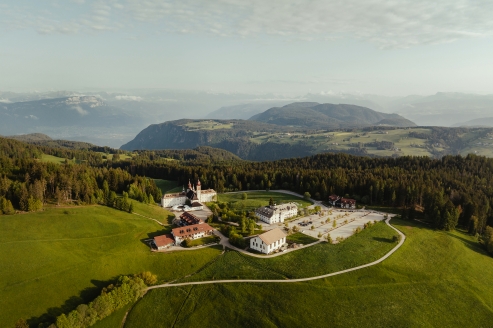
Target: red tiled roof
[[164, 240], [191, 230], [190, 219]]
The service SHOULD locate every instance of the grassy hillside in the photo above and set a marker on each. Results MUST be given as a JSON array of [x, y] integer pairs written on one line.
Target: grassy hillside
[[437, 279], [53, 260], [328, 116], [256, 199], [165, 185]]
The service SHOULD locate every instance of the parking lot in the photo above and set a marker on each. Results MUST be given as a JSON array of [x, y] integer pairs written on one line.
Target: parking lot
[[346, 222]]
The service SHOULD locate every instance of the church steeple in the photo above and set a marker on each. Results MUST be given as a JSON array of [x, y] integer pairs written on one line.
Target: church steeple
[[189, 185], [199, 190]]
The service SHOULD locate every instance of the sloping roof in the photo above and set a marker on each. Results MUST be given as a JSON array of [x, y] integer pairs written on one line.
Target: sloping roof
[[191, 229], [272, 236], [265, 211], [190, 219], [164, 240], [174, 195], [269, 211]]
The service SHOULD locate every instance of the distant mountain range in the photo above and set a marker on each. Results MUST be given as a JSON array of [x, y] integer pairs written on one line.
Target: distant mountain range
[[244, 137], [440, 109], [328, 116], [85, 118], [478, 122], [117, 116]]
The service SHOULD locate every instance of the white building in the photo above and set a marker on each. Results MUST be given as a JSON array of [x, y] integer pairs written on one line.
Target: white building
[[268, 241], [193, 194], [276, 213]]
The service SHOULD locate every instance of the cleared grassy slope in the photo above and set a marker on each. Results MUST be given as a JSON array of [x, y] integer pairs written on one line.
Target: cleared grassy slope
[[53, 260], [436, 279]]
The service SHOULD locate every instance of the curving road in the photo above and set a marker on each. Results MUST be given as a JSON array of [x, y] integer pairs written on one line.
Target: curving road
[[403, 238]]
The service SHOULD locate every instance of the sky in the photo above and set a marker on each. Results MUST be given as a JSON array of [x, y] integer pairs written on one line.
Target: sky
[[385, 47]]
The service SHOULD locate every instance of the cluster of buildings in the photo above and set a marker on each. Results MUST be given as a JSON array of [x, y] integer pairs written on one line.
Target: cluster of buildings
[[342, 202], [276, 213], [189, 227], [194, 194]]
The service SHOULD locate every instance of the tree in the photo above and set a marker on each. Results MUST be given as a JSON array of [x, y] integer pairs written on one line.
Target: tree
[[328, 238], [271, 202], [334, 224], [7, 207], [21, 323], [244, 196], [307, 195]]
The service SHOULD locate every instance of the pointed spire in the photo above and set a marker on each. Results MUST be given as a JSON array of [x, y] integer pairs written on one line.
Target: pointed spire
[[189, 184], [198, 182]]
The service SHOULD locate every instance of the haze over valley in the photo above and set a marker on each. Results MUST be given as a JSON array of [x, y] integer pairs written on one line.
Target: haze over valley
[[231, 163]]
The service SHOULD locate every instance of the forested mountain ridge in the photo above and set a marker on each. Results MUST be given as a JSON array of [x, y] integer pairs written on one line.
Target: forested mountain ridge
[[328, 116]]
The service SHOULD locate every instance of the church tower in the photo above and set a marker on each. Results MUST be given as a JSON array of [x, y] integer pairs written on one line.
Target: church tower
[[199, 190]]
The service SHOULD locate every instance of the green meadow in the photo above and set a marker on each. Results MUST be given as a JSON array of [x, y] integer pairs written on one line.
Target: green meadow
[[436, 279], [256, 199], [166, 185], [61, 257], [301, 238], [367, 246]]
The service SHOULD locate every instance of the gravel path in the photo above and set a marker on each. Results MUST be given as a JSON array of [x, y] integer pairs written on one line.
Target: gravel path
[[403, 238]]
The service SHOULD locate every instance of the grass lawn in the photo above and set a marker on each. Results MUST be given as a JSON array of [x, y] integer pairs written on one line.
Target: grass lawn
[[365, 247], [256, 199], [153, 211], [54, 159], [203, 241], [166, 185], [301, 238], [436, 279], [53, 260]]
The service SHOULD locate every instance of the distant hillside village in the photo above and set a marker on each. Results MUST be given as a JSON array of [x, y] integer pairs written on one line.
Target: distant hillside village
[[190, 227]]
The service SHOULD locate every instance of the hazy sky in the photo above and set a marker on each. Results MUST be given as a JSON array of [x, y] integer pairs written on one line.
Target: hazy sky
[[292, 47]]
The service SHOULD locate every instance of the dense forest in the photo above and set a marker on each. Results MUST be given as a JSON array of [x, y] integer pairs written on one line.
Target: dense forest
[[448, 192]]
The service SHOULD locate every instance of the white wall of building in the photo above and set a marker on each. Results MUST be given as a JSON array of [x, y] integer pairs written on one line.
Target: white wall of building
[[258, 244]]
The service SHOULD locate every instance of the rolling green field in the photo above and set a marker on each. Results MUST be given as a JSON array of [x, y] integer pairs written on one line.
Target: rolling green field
[[208, 125], [257, 199], [166, 185], [301, 238], [367, 246], [53, 159], [53, 260], [154, 211], [436, 279]]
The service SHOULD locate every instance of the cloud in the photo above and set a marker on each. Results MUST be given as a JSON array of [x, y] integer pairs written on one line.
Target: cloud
[[80, 110], [386, 23], [135, 98]]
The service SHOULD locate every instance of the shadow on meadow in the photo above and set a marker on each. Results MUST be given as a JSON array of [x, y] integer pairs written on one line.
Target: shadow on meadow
[[472, 245], [87, 295], [384, 240]]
